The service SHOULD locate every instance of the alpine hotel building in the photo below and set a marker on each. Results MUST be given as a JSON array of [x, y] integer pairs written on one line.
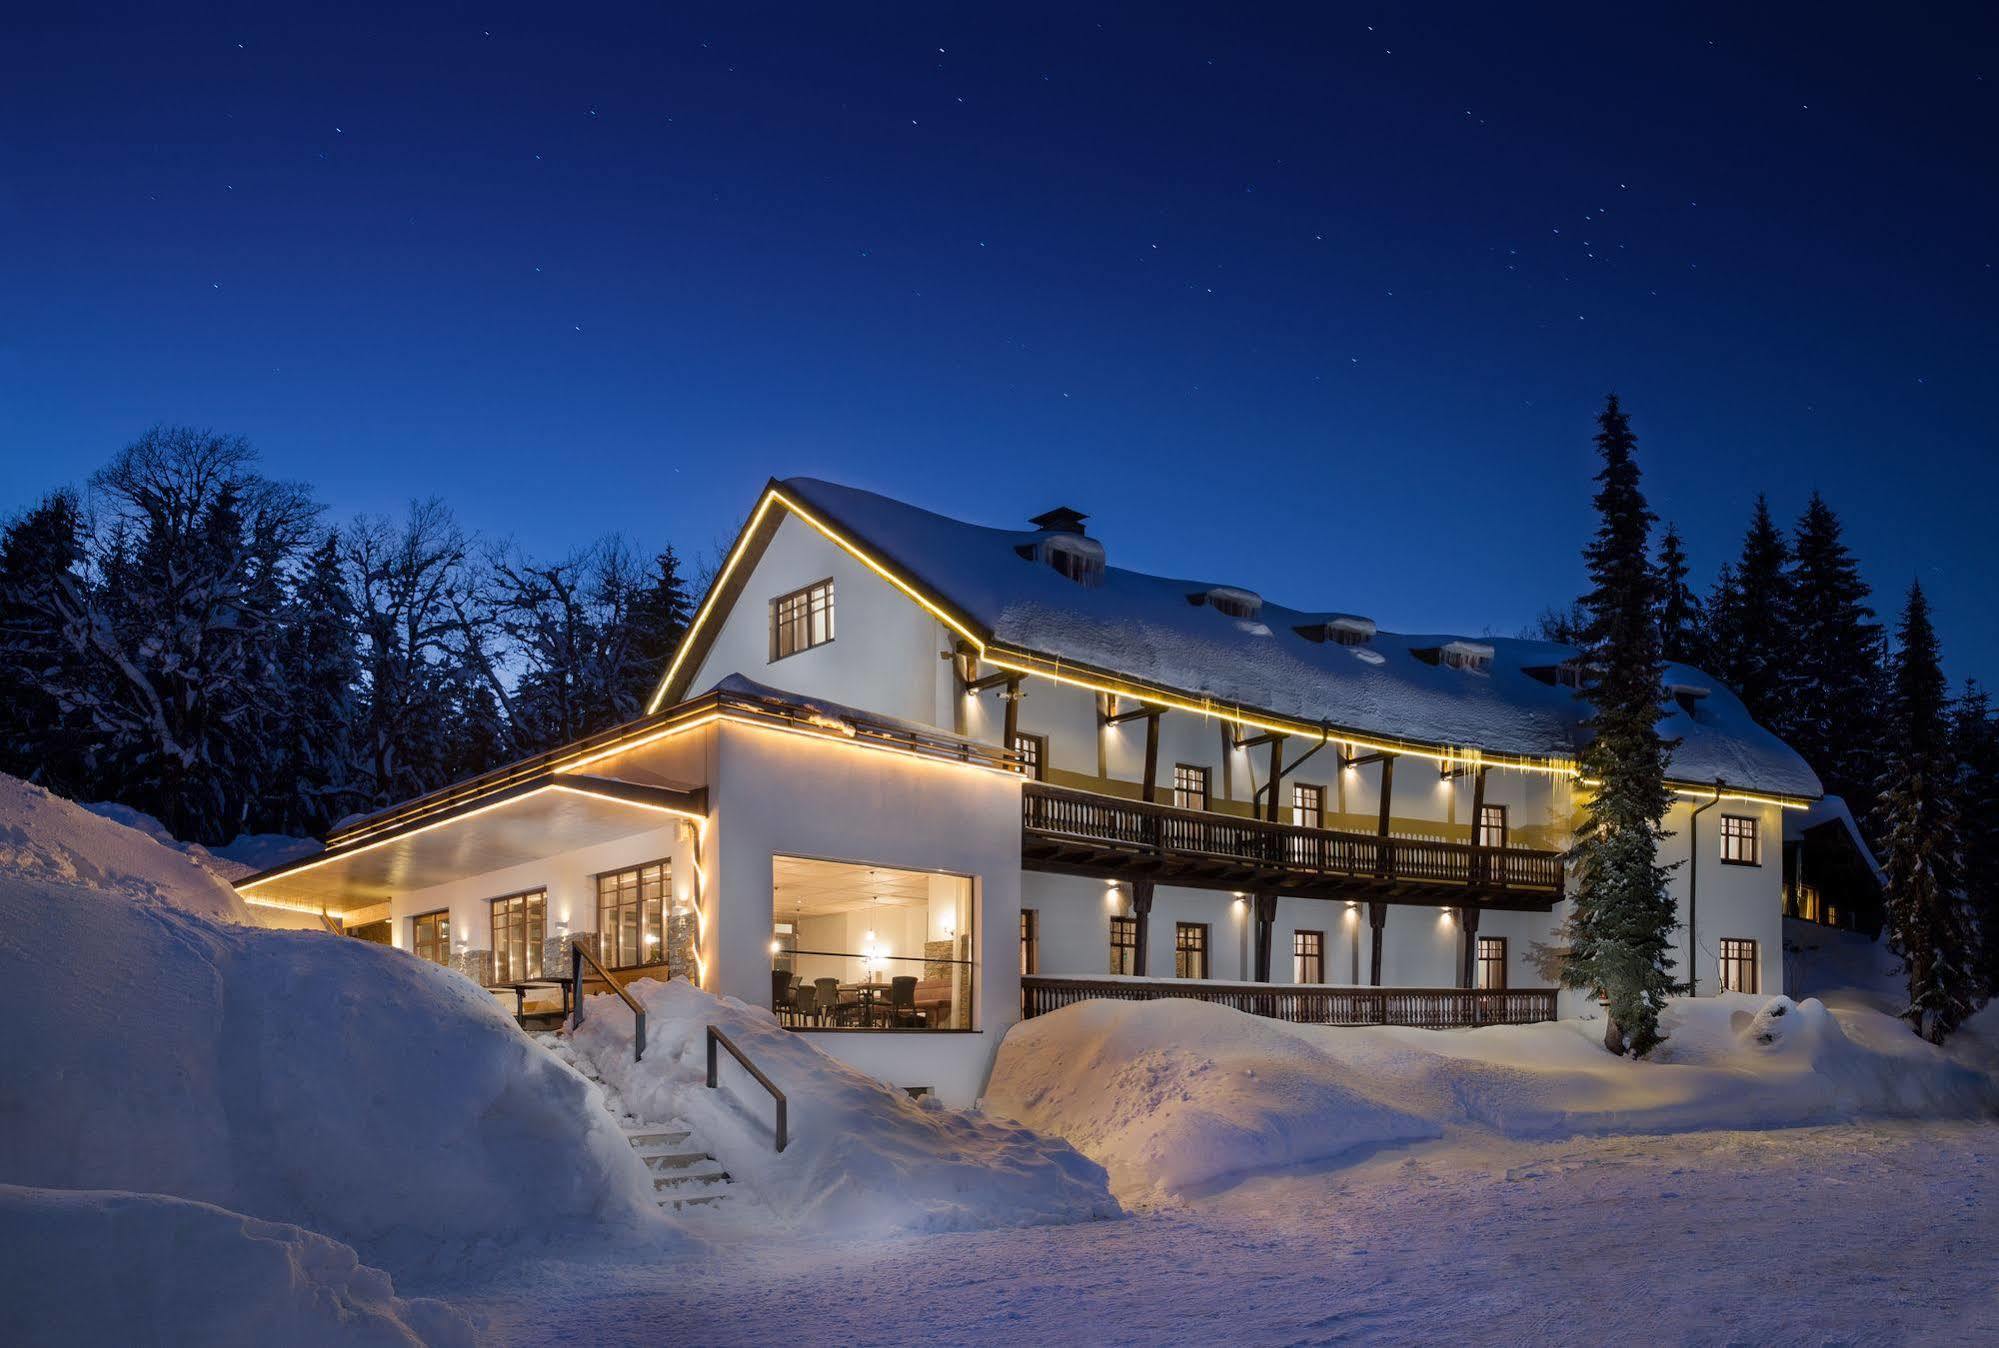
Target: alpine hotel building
[[908, 779]]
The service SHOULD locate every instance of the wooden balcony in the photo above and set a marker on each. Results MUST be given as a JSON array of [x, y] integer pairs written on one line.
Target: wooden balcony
[[1082, 833], [1426, 1008]]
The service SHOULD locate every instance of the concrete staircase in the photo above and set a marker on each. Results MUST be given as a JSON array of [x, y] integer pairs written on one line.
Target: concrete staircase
[[685, 1174]]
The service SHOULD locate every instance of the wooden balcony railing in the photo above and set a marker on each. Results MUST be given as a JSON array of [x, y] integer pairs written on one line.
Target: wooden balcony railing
[[1093, 833], [1426, 1008]]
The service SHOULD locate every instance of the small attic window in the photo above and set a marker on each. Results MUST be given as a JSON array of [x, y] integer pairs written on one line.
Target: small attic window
[[1568, 674], [1228, 599], [1071, 556], [1688, 695], [1344, 630], [1475, 656]]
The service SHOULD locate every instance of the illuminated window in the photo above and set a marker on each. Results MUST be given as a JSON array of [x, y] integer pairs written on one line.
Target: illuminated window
[[1492, 963], [1124, 945], [1740, 845], [878, 948], [430, 937], [1308, 957], [1492, 826], [1738, 965], [1190, 787], [1030, 941], [1032, 750], [631, 915], [519, 923], [1190, 950], [1308, 808], [801, 620]]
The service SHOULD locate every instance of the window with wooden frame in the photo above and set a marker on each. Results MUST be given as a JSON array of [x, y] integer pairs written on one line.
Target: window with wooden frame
[[1032, 751], [1030, 941], [1190, 950], [520, 921], [1124, 945], [1741, 844], [1190, 787], [1738, 965], [1492, 826], [1308, 957], [1491, 971], [801, 620], [631, 915], [430, 936], [1308, 807]]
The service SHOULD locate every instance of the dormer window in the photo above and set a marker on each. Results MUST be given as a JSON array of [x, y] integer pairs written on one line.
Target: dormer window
[[1341, 630], [1568, 674], [1071, 556], [1228, 599], [1688, 695], [1474, 656]]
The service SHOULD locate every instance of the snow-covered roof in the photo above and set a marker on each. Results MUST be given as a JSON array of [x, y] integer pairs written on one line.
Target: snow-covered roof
[[1142, 628], [1832, 810]]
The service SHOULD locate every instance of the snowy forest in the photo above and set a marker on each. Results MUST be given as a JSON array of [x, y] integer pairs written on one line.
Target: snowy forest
[[196, 640]]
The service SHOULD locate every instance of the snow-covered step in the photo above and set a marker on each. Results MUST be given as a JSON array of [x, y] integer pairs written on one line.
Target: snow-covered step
[[671, 1158], [643, 1136], [684, 1173], [690, 1179]]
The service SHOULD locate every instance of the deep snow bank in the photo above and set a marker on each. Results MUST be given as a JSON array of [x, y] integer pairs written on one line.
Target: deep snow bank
[[88, 1266], [1171, 1094], [862, 1156], [344, 1086], [49, 838]]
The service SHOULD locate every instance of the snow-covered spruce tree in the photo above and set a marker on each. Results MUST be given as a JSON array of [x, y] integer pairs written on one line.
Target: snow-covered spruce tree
[[316, 784], [1975, 733], [1925, 899], [660, 612], [1681, 619], [1831, 677], [1749, 616], [1622, 918]]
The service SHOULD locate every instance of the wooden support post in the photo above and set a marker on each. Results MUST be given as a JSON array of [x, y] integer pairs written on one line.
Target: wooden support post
[[1266, 929], [1383, 860], [1141, 912], [1468, 919], [1276, 776], [1478, 867], [1377, 921], [1151, 783], [1012, 696]]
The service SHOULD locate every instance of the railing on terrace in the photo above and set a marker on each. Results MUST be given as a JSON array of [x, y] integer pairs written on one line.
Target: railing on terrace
[[1426, 1008], [1166, 833]]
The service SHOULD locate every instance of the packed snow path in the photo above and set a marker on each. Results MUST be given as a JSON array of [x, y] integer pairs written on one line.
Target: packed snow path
[[1880, 1233]]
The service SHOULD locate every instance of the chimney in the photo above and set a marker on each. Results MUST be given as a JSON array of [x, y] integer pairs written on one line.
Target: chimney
[[1060, 520]]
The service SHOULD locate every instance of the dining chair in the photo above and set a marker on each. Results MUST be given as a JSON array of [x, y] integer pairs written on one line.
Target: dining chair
[[828, 1000], [902, 1001]]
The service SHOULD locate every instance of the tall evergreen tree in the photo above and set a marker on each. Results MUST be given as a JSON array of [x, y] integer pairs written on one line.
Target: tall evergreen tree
[[1622, 919], [1926, 921], [657, 619], [1976, 744], [316, 785], [1682, 621], [1831, 679], [1749, 616]]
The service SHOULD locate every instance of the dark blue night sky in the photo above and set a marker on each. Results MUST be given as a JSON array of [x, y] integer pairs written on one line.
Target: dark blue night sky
[[1319, 304]]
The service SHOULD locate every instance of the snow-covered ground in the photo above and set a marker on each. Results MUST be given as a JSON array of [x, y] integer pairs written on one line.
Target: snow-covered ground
[[1852, 1234]]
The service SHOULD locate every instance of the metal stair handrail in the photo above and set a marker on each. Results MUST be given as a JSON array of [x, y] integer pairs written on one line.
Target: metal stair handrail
[[577, 956], [715, 1037]]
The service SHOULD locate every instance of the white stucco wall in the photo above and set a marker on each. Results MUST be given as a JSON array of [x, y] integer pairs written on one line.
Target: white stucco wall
[[779, 794], [884, 656]]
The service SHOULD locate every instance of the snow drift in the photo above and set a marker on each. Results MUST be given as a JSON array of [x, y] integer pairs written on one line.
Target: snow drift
[[1173, 1094], [293, 1076], [95, 1267], [49, 838], [862, 1157]]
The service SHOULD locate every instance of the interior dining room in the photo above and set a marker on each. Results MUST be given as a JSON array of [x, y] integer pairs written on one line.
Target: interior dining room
[[871, 948]]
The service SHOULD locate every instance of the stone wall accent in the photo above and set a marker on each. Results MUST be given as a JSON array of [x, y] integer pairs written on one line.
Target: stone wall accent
[[476, 965], [682, 944]]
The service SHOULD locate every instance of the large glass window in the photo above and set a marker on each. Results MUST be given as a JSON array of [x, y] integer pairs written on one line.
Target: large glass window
[[1190, 950], [430, 937], [631, 915], [1739, 843], [801, 620], [875, 948], [1124, 945], [1738, 965], [519, 923], [1308, 957]]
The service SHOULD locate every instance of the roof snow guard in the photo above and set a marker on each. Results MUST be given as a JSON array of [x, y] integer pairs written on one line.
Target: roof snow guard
[[1137, 636]]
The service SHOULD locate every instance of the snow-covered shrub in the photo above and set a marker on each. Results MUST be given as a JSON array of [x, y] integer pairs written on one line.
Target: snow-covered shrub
[[862, 1156], [89, 1266]]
